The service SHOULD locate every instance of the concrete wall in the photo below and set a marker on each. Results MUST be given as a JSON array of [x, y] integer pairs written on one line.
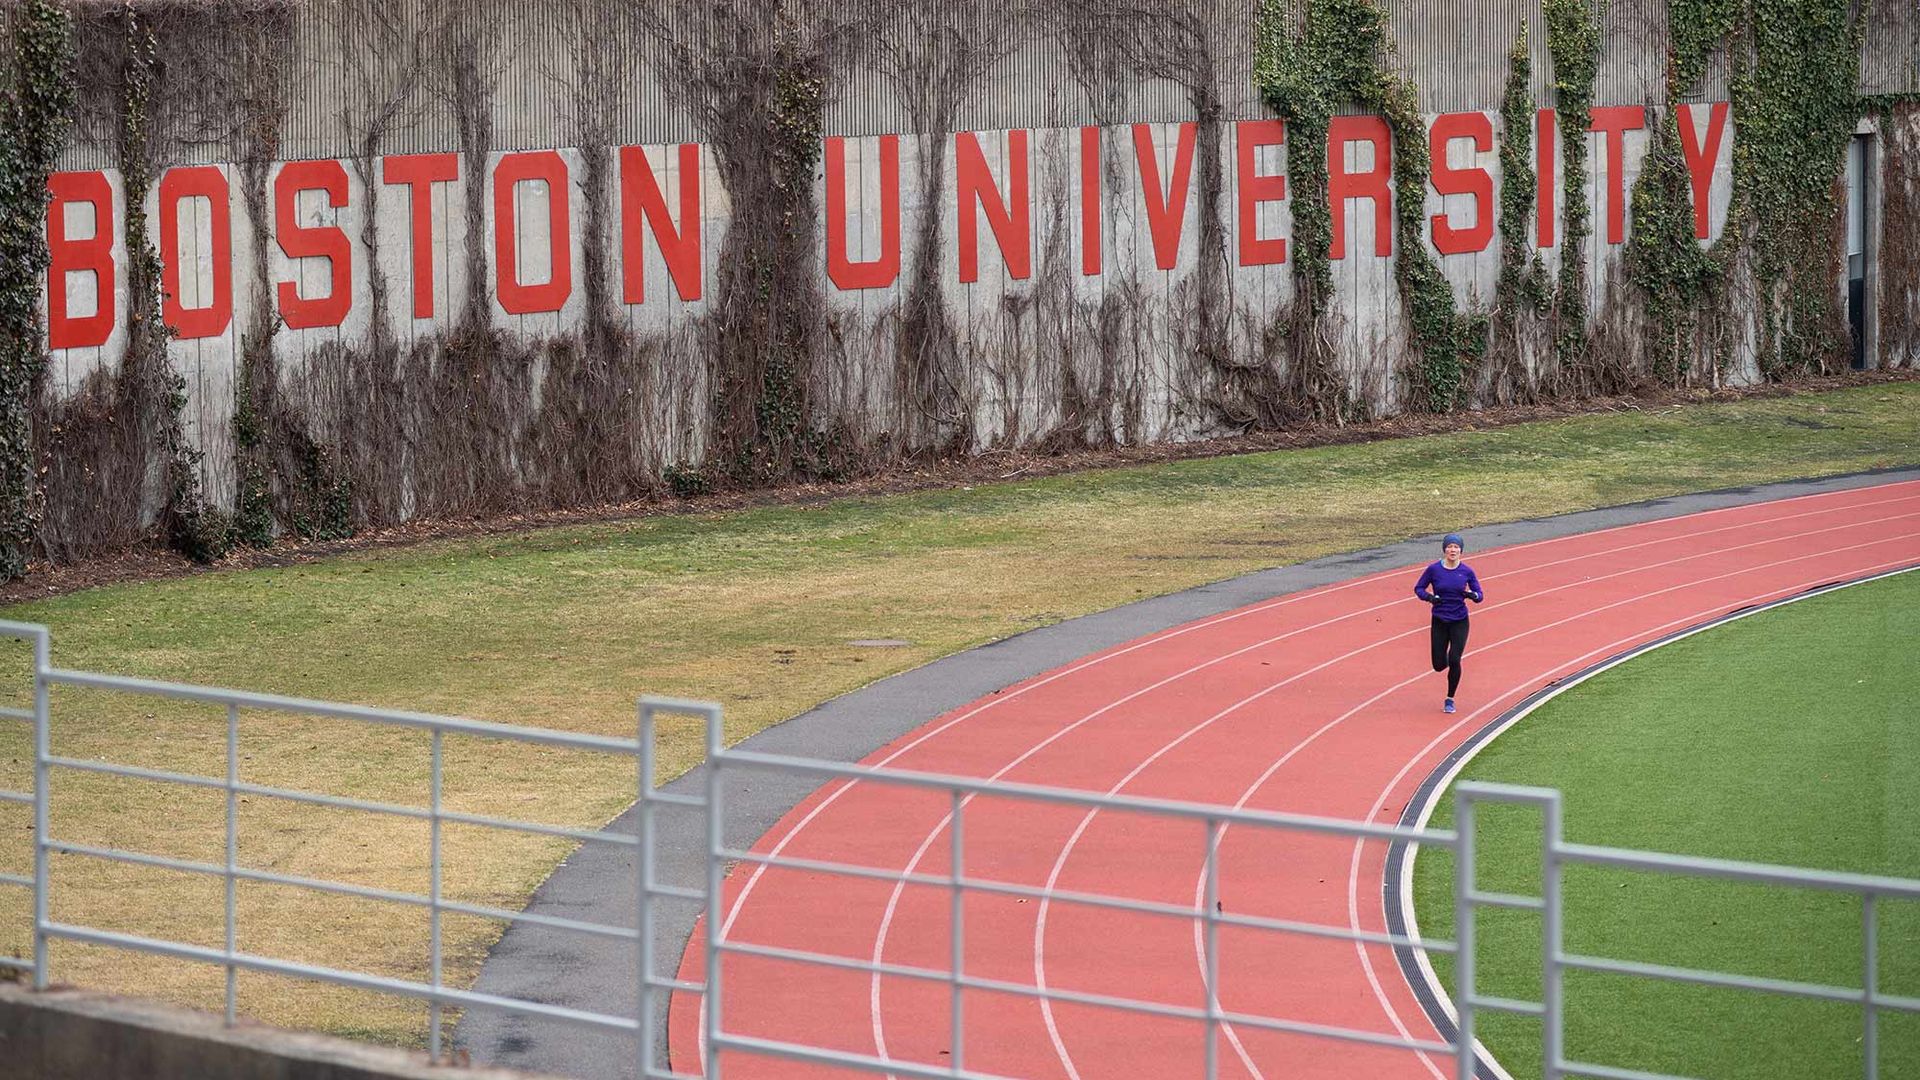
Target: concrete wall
[[75, 1035], [1078, 128], [1082, 214]]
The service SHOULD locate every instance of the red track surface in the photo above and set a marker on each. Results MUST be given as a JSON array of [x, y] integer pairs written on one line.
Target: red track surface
[[1320, 702]]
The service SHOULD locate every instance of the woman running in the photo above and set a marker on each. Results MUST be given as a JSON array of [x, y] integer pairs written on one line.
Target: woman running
[[1448, 585]]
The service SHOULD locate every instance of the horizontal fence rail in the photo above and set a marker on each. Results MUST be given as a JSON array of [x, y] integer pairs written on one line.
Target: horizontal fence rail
[[1463, 1001], [723, 1037], [434, 990]]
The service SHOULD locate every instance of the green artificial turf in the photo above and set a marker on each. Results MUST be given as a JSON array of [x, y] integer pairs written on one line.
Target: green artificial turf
[[1792, 737]]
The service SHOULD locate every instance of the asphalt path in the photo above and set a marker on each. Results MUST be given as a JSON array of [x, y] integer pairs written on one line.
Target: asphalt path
[[597, 883]]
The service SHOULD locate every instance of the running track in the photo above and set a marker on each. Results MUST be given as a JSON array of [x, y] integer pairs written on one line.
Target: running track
[[1321, 703]]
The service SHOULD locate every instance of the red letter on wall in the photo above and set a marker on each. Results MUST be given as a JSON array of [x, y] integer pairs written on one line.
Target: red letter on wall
[[1009, 219], [1373, 184], [419, 172], [299, 242], [642, 201], [1089, 201], [1476, 182], [516, 298], [92, 255], [1616, 121], [209, 183], [1250, 135], [1543, 128], [884, 270], [1166, 212], [1701, 160]]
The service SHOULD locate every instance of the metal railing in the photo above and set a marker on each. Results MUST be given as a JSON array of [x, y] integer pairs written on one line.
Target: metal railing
[[435, 991], [1457, 1041], [1455, 1023]]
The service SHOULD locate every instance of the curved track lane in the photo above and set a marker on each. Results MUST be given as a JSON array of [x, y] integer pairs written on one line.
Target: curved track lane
[[1321, 703]]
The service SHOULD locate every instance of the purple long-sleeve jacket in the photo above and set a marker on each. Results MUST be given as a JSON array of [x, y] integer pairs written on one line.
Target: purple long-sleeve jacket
[[1448, 590]]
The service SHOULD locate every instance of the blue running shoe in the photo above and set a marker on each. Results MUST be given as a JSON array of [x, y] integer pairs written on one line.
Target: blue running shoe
[[1448, 707]]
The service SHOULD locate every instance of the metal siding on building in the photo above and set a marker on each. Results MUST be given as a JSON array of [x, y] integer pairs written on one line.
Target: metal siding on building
[[1890, 54], [1633, 54], [1454, 50]]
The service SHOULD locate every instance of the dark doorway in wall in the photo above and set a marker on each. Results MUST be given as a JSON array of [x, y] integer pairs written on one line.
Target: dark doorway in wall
[[1859, 166]]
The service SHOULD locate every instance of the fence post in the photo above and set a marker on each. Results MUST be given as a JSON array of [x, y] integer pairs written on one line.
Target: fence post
[[233, 856], [42, 751], [957, 931], [433, 912], [1871, 1037], [643, 883], [1207, 910], [1552, 1037], [716, 878], [1463, 878]]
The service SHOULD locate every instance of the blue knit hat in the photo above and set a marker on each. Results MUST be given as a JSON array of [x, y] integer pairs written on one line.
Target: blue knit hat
[[1451, 539]]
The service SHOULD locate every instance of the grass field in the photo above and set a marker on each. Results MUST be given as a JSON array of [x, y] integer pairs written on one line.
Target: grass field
[[757, 608], [1791, 736]]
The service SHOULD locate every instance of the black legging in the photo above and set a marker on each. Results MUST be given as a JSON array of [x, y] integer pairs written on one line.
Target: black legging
[[1449, 645]]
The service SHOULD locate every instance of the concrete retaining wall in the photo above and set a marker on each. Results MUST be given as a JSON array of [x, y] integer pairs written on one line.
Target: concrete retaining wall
[[76, 1035]]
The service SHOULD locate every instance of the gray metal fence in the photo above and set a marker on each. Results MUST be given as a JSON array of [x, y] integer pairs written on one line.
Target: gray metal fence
[[48, 926], [720, 1044]]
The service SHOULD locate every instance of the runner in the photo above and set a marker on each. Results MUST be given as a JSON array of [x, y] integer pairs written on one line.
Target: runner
[[1448, 585]]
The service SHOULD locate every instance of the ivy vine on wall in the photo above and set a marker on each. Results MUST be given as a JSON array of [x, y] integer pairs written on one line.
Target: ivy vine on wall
[[450, 430], [1695, 29], [1523, 292], [1795, 102], [1521, 280], [1674, 278], [34, 115], [1673, 275], [190, 525], [1339, 58], [1573, 40]]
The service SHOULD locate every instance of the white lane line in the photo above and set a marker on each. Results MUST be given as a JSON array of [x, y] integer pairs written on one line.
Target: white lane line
[[885, 927], [1770, 599], [1491, 554], [1053, 1032], [1200, 885]]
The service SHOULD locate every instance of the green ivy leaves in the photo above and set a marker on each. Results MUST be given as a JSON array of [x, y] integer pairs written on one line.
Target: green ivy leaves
[[35, 115], [1695, 28], [1573, 39], [1338, 59], [1794, 68], [1673, 275], [1796, 101]]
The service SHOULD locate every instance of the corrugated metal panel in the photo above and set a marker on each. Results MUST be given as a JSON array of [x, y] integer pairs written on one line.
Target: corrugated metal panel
[[1890, 61], [1633, 54], [1714, 84], [1065, 64], [1234, 41], [1456, 51], [553, 65]]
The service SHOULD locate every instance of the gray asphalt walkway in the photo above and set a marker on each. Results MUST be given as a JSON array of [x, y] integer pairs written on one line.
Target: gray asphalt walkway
[[597, 883]]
